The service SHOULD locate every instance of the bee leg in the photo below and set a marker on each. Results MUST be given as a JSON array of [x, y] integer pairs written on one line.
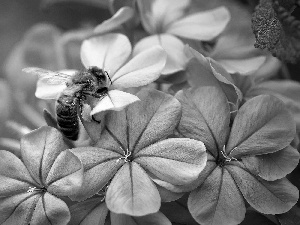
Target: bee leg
[[97, 121]]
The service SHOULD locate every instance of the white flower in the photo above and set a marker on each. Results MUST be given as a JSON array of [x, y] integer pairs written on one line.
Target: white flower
[[111, 52], [166, 19]]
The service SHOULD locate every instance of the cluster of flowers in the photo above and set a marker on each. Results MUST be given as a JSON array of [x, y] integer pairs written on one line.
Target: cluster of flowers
[[207, 146]]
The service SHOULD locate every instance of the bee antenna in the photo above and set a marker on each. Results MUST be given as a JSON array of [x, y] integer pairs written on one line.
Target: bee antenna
[[108, 76]]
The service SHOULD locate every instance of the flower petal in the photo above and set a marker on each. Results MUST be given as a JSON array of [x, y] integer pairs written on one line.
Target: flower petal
[[268, 197], [205, 117], [15, 177], [50, 210], [108, 52], [176, 59], [178, 161], [203, 71], [217, 201], [142, 69], [242, 66], [100, 165], [262, 125], [152, 119], [132, 192], [17, 209], [66, 175], [39, 150], [123, 15], [114, 100], [202, 26], [286, 90], [273, 166], [156, 15]]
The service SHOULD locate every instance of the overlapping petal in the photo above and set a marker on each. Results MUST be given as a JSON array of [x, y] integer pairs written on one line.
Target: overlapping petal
[[205, 117], [262, 125], [141, 70], [176, 59], [108, 51], [152, 119], [202, 26], [273, 166], [207, 72], [177, 161], [132, 192], [269, 197], [100, 165], [217, 200]]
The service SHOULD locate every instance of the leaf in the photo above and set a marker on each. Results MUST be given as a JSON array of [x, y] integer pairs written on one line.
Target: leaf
[[273, 166], [132, 192], [205, 117], [268, 197], [90, 212], [262, 125], [217, 200]]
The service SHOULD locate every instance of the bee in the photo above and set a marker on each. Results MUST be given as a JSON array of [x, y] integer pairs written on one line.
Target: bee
[[91, 82]]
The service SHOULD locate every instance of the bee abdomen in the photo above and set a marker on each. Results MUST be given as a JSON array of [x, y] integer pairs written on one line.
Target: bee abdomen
[[67, 118]]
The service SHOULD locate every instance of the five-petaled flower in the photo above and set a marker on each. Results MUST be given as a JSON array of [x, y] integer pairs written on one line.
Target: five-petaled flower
[[248, 157], [31, 186], [137, 160], [166, 19]]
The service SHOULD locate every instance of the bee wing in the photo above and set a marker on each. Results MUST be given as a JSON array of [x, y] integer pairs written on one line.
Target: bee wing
[[48, 76]]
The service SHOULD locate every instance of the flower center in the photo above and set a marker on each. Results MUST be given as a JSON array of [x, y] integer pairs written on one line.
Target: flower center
[[224, 158], [127, 155], [35, 189]]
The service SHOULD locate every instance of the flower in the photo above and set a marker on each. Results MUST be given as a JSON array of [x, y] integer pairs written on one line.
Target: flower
[[247, 158], [166, 19], [133, 157], [31, 186], [111, 53]]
